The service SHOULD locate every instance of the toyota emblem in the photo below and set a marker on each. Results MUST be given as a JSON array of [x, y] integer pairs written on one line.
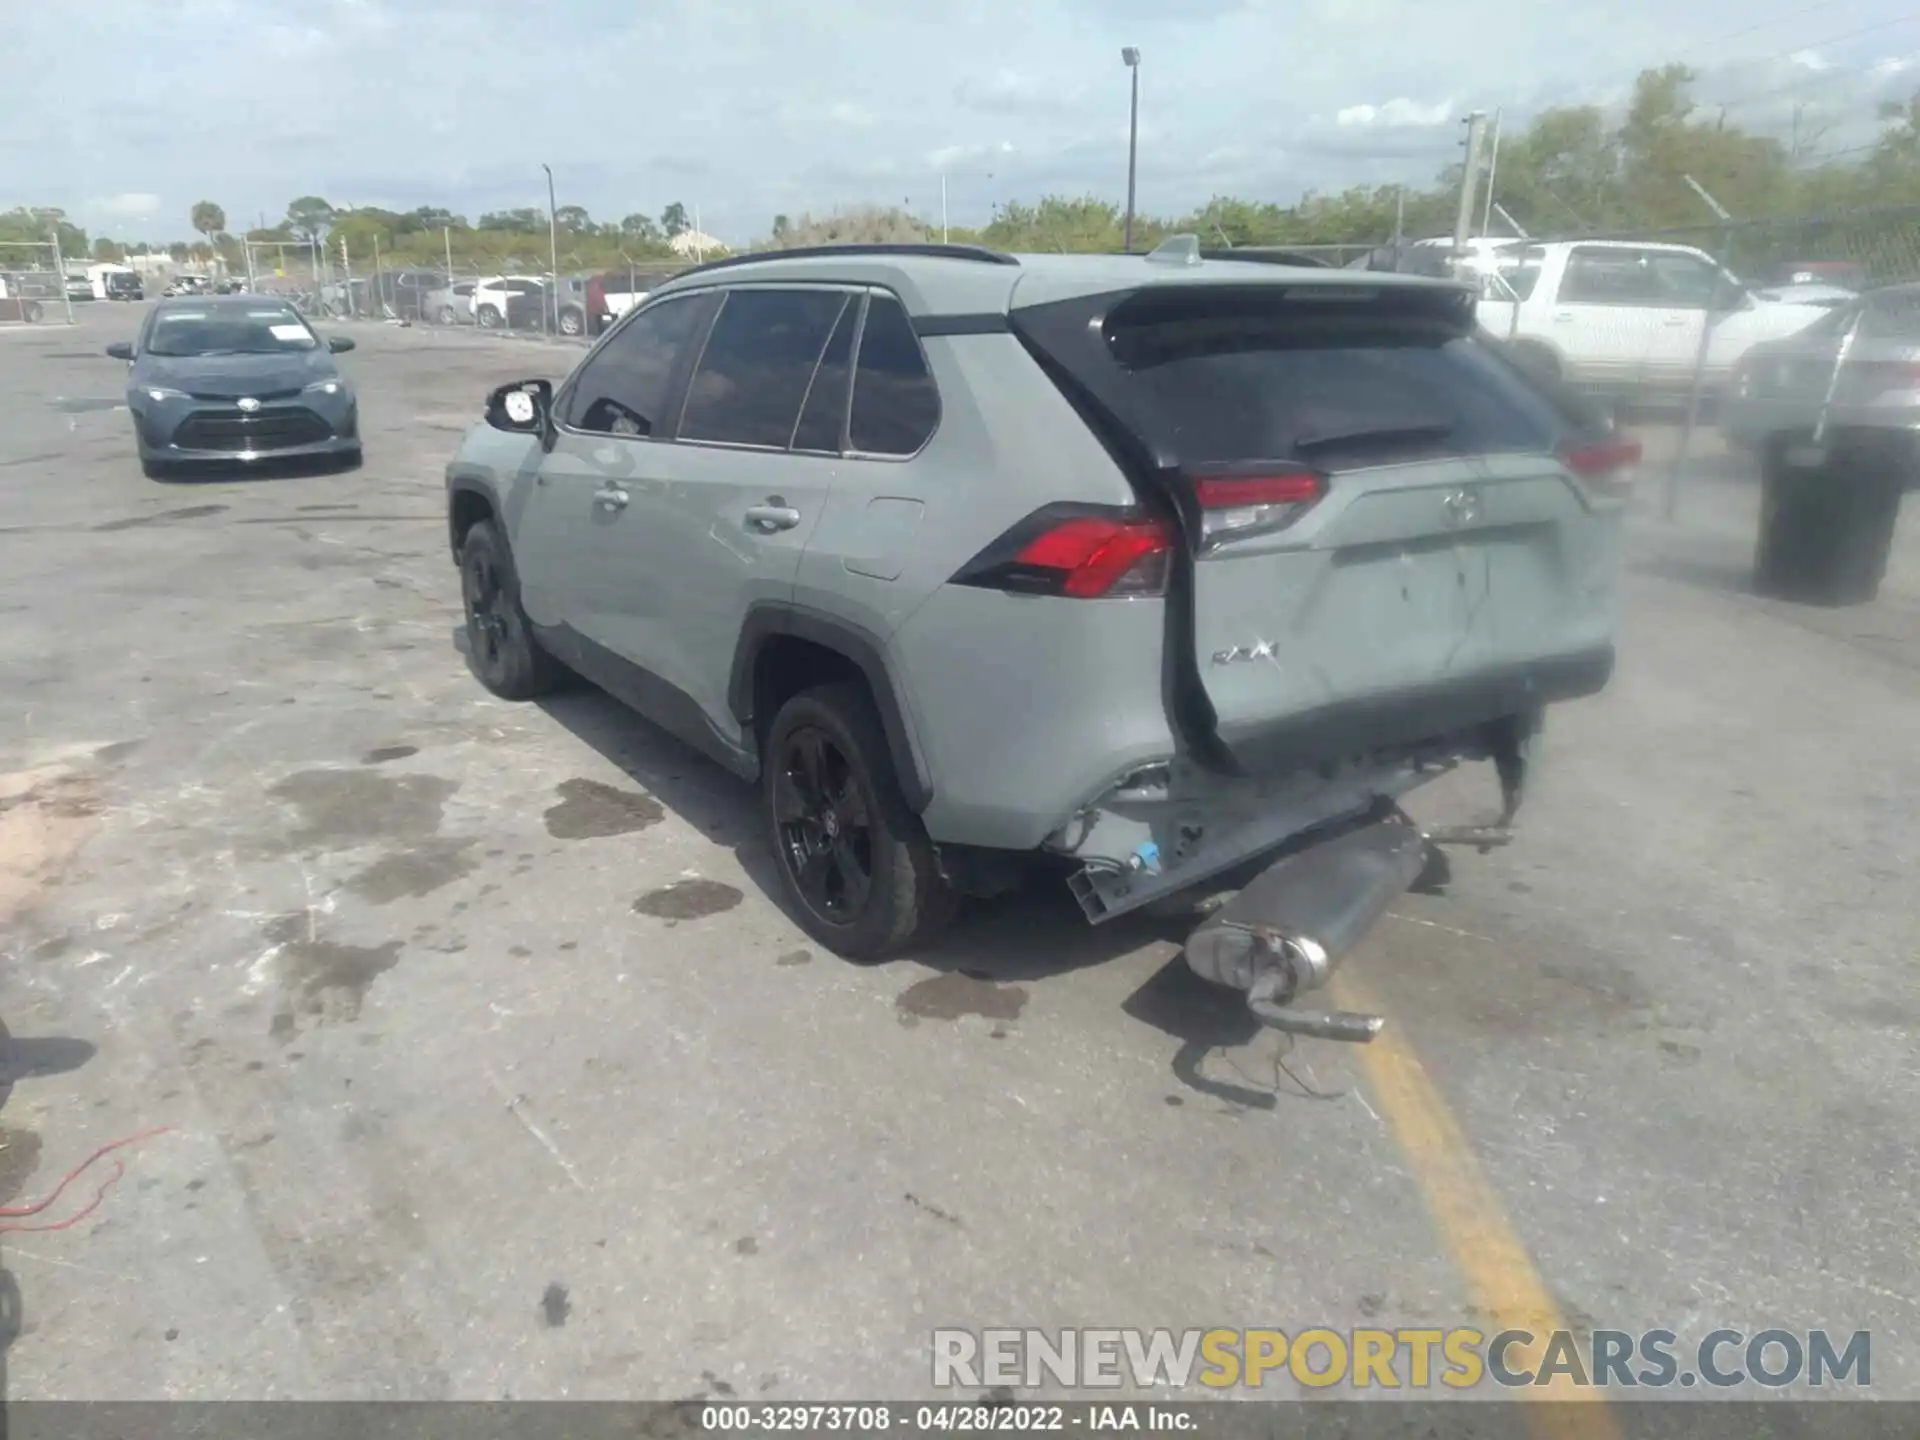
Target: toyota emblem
[[1462, 507], [249, 404]]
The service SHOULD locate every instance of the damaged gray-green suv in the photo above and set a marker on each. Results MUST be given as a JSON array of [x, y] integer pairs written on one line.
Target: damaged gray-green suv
[[1154, 565]]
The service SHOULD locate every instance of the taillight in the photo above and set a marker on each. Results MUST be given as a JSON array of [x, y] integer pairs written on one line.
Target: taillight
[[1606, 467], [1078, 551], [1246, 504]]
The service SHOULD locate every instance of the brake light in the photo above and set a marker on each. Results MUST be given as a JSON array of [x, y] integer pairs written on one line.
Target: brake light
[[1238, 505], [1606, 467], [1076, 552]]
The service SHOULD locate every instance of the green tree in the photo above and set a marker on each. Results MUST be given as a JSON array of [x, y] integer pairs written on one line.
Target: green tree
[[523, 221], [573, 219], [208, 218], [310, 217], [643, 229], [673, 220]]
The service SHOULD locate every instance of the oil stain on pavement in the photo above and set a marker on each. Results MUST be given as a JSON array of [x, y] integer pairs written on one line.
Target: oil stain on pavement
[[949, 996], [324, 977], [687, 900], [160, 517], [342, 809], [421, 870], [588, 810], [19, 1158]]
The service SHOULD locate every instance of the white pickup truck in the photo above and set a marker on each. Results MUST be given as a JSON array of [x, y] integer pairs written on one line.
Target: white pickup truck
[[1625, 315]]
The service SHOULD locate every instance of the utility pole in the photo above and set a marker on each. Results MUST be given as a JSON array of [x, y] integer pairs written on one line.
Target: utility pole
[[552, 301], [1670, 499], [1493, 168], [1131, 58], [1469, 176]]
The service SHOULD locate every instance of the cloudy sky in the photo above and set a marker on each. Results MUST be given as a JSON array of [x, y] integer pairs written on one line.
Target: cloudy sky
[[131, 110]]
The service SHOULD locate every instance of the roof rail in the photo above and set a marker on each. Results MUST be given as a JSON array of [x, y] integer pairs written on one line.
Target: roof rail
[[977, 253]]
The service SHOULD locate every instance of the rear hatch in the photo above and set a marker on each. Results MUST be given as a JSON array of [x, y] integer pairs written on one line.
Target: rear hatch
[[1381, 544]]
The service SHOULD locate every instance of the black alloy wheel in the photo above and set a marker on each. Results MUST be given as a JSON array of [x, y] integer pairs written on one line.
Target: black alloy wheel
[[825, 826]]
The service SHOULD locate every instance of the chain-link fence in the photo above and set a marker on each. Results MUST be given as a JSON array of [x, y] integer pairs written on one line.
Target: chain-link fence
[[35, 286]]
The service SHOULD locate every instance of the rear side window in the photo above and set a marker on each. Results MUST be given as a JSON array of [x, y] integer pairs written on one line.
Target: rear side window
[[759, 361], [823, 420], [624, 387], [1338, 384], [895, 403]]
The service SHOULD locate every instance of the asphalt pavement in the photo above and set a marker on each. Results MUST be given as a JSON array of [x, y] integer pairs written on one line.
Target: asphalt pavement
[[491, 1068]]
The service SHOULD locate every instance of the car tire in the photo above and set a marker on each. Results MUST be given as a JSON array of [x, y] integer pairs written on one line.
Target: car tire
[[446, 316], [856, 866], [350, 459], [156, 470], [501, 649], [572, 322], [488, 318]]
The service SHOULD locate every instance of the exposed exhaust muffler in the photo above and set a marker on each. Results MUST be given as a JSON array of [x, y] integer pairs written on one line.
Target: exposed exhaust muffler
[[1286, 933]]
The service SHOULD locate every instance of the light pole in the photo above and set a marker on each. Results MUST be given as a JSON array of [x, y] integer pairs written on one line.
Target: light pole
[[553, 252], [1131, 57]]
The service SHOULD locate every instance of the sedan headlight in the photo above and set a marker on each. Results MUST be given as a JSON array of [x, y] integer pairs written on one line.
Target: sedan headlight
[[326, 387], [162, 392]]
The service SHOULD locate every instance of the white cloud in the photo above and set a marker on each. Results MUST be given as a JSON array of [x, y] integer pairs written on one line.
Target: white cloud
[[1810, 60], [137, 202], [845, 113], [1399, 111]]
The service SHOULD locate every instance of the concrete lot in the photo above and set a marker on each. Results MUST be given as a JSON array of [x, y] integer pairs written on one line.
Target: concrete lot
[[467, 1100]]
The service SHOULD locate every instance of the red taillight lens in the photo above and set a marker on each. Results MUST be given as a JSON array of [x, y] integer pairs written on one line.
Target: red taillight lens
[[1607, 466], [1095, 556], [1076, 551], [1237, 505], [1226, 492]]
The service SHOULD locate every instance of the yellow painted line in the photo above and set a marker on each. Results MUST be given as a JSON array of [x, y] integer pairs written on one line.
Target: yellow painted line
[[1499, 1271]]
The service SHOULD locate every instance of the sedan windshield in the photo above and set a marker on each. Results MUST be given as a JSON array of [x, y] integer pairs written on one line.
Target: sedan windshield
[[231, 332]]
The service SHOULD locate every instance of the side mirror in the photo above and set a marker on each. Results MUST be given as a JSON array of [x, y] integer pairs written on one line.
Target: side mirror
[[339, 344], [120, 350], [523, 407]]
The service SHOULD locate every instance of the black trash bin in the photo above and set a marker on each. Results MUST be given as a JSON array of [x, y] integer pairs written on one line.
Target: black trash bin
[[1828, 513]]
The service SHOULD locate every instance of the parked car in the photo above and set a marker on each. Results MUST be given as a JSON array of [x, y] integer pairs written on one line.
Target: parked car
[[1834, 414], [614, 292], [188, 285], [121, 285], [1807, 292], [1171, 565], [450, 304], [1843, 273], [509, 302], [79, 287], [236, 378], [572, 307], [1627, 316]]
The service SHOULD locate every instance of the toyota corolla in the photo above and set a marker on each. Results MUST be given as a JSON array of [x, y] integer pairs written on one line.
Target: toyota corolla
[[239, 379]]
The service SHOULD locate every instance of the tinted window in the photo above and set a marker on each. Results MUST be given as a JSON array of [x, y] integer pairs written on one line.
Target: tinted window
[[895, 404], [623, 389], [1333, 383], [1684, 281], [759, 360], [823, 421]]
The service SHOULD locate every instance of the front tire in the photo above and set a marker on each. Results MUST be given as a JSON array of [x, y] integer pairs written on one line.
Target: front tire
[[501, 649], [855, 863], [488, 317], [446, 315], [572, 322]]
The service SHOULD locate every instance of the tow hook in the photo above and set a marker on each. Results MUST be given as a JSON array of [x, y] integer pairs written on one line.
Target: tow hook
[[1285, 934]]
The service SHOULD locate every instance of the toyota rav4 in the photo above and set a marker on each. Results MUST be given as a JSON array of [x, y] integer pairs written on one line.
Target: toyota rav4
[[1153, 565]]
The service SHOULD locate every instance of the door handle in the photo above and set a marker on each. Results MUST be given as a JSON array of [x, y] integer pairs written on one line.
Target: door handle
[[1676, 324], [1562, 316], [612, 497], [771, 517]]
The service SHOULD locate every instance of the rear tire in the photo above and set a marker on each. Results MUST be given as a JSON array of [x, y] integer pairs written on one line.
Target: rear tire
[[446, 315], [572, 322], [856, 866], [501, 649], [488, 318]]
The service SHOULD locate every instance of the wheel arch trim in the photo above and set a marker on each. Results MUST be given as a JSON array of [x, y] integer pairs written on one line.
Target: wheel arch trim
[[772, 619]]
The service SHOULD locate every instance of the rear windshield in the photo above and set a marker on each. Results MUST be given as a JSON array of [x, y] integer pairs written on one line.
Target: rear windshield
[[1335, 383]]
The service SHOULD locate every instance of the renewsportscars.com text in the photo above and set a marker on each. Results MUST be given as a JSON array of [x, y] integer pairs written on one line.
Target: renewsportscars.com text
[[1416, 1359]]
